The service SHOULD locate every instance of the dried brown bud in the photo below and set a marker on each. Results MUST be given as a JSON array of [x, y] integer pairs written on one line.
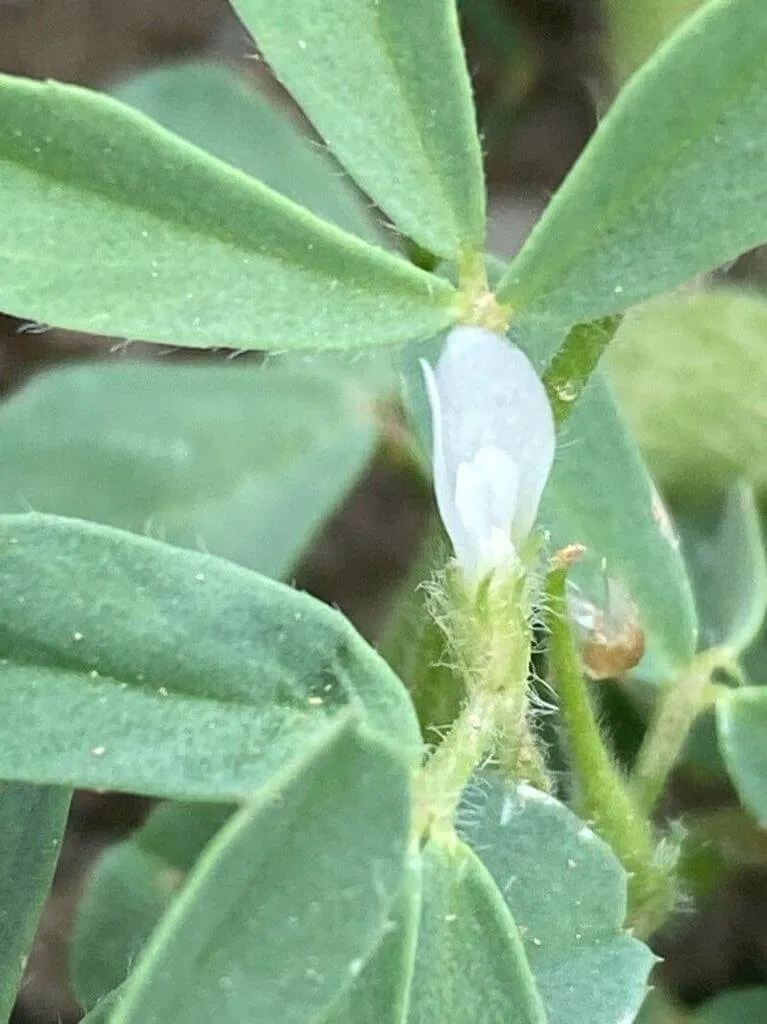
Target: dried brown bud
[[614, 640]]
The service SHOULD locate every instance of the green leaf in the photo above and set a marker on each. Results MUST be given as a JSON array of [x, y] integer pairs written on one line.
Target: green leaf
[[221, 112], [188, 676], [32, 820], [283, 911], [411, 143], [724, 550], [741, 719], [673, 183], [733, 1007], [600, 495], [246, 461], [101, 1013], [134, 883], [112, 225], [470, 962], [689, 372], [130, 888], [635, 30], [567, 893], [380, 993]]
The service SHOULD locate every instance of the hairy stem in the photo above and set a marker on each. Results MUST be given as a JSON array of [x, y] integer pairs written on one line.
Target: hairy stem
[[670, 726], [488, 634], [603, 797], [442, 780]]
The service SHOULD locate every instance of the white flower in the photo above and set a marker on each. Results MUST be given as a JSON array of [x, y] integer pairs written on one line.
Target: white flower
[[493, 437]]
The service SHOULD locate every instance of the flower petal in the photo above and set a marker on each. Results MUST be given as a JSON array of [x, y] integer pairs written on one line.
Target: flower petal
[[485, 498], [491, 396], [444, 484]]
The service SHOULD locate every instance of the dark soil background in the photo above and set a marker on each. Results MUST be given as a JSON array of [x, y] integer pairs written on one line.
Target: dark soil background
[[537, 90]]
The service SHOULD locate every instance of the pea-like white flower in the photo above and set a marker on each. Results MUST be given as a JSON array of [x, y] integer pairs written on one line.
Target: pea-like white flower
[[493, 446]]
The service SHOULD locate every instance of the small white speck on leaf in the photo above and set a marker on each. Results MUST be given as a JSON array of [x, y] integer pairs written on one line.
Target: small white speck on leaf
[[98, 751]]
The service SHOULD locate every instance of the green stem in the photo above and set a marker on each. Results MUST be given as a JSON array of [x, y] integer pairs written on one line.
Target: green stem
[[499, 670], [603, 798], [488, 632], [568, 372], [669, 728], [443, 778]]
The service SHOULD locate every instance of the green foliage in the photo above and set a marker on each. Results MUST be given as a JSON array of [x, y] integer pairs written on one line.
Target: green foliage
[[219, 111], [673, 182], [282, 912], [635, 30], [299, 885], [741, 718], [724, 550], [32, 820], [247, 462], [135, 883], [131, 887], [689, 373], [101, 1014], [412, 143], [380, 993], [567, 893], [471, 964], [187, 676], [148, 237], [600, 495]]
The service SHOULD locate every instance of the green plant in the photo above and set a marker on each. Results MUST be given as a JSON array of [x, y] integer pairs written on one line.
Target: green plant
[[332, 852]]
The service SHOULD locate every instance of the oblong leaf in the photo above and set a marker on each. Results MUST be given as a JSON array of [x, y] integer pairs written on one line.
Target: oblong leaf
[[470, 962], [282, 910], [139, 234], [673, 183], [188, 676], [567, 892], [412, 143], [741, 720], [32, 821], [218, 110], [247, 462]]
